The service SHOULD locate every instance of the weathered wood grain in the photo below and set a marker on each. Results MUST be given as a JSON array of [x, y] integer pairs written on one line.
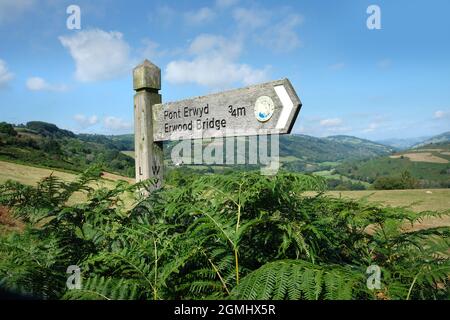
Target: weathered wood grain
[[148, 153]]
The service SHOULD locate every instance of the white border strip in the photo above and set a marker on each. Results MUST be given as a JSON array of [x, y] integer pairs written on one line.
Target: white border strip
[[287, 103]]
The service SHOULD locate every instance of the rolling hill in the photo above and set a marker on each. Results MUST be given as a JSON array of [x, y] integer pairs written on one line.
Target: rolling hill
[[416, 142], [429, 164], [340, 157], [440, 138], [403, 144], [45, 145], [306, 153]]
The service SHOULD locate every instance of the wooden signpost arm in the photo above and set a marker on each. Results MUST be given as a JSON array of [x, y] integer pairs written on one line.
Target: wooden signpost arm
[[263, 109], [148, 154]]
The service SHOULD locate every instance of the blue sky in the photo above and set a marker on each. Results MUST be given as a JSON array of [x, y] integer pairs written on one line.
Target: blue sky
[[377, 84]]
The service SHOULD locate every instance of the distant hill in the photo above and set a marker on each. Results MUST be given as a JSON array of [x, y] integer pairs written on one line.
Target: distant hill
[[306, 153], [403, 144], [364, 147], [440, 138], [429, 164], [45, 145]]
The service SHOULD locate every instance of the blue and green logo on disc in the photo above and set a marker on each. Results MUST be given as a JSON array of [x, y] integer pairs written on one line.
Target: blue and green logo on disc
[[264, 108]]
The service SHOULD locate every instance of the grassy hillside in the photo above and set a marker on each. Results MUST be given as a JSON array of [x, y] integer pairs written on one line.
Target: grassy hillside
[[438, 139], [402, 143], [417, 199], [417, 142], [45, 145], [429, 164], [421, 200], [29, 175], [330, 149], [347, 162], [363, 147]]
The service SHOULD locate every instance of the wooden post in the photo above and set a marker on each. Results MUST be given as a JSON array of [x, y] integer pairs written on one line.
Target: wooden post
[[149, 158]]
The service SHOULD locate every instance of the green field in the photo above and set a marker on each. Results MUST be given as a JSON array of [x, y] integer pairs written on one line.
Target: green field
[[31, 175], [417, 200], [430, 165], [328, 174]]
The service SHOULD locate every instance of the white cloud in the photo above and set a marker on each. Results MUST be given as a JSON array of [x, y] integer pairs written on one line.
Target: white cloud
[[323, 127], [273, 29], [372, 127], [201, 16], [39, 84], [282, 37], [5, 74], [150, 49], [12, 9], [85, 121], [98, 55], [251, 19], [214, 64], [334, 122], [116, 124], [212, 45], [441, 114]]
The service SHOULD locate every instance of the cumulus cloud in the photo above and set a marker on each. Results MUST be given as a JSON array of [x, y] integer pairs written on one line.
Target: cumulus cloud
[[84, 121], [98, 55], [39, 84], [5, 74], [116, 124], [440, 114], [201, 16], [12, 9], [214, 64]]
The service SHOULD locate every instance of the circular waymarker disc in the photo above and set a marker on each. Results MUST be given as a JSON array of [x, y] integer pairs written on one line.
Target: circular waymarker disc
[[264, 108]]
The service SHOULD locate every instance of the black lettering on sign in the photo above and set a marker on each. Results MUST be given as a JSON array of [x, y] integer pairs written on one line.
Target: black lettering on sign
[[236, 111], [212, 123]]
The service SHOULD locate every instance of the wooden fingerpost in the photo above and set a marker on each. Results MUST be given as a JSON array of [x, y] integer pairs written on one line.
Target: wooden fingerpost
[[149, 157]]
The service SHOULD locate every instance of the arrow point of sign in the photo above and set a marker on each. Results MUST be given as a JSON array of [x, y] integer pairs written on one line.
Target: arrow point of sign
[[288, 105]]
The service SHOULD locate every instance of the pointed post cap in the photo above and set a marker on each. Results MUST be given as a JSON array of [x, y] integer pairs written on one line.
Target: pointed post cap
[[146, 76]]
